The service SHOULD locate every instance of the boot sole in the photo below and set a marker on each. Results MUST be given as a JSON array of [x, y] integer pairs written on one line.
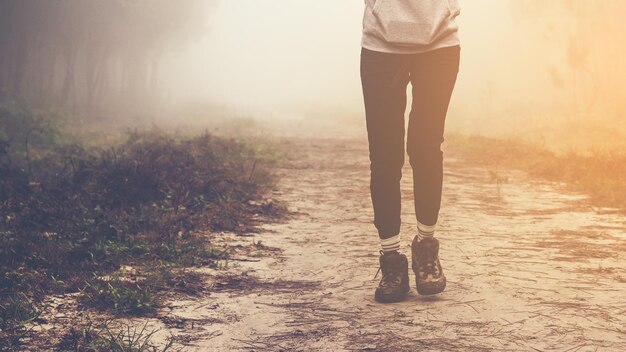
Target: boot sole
[[398, 297], [430, 288]]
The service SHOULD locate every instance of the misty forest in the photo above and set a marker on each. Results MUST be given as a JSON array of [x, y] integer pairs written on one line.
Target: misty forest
[[195, 176], [91, 56]]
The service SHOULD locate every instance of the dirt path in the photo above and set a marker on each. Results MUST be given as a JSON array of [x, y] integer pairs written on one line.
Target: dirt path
[[530, 267]]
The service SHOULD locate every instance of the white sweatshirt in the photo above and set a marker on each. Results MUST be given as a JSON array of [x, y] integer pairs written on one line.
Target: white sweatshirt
[[410, 26]]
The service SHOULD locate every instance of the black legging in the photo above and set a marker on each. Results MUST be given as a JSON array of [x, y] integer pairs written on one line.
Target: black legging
[[385, 78]]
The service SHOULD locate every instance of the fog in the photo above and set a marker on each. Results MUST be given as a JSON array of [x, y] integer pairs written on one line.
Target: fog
[[528, 67], [279, 56], [549, 71]]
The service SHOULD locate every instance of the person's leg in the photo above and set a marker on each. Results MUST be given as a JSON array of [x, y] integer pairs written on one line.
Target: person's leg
[[385, 78], [433, 77]]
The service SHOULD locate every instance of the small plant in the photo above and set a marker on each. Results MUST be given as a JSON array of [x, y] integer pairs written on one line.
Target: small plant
[[189, 250], [17, 311], [121, 295], [103, 338]]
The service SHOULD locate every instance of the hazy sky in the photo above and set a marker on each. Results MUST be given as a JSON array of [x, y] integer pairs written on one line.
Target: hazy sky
[[288, 56], [276, 53]]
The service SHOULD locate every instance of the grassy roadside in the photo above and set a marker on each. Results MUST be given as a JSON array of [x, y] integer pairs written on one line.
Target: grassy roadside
[[602, 175], [117, 224]]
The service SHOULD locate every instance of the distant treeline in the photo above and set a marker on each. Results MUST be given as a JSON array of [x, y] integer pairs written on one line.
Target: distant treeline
[[91, 55]]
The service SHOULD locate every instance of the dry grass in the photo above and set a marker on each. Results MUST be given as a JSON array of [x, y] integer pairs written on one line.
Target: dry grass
[[72, 214], [600, 174]]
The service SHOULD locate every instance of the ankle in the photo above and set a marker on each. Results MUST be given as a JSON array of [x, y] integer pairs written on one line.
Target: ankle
[[391, 244], [425, 231]]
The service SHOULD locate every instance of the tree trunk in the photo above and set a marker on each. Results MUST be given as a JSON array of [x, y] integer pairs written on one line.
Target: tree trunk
[[68, 82]]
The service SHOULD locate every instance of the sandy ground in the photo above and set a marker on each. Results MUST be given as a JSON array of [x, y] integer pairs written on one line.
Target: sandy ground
[[530, 267]]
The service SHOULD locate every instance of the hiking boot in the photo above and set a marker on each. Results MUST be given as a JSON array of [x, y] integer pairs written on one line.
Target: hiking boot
[[429, 277], [394, 284]]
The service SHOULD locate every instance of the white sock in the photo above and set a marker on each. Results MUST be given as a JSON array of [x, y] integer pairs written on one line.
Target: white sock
[[425, 231], [390, 244]]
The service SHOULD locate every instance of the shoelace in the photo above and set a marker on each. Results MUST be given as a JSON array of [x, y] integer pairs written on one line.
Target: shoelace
[[375, 276], [377, 272], [387, 278]]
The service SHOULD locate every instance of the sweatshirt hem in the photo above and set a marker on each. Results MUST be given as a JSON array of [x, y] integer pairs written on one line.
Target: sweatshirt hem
[[374, 44]]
